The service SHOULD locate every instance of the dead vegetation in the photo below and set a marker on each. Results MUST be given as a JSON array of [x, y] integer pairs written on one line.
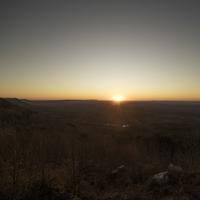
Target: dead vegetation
[[54, 154]]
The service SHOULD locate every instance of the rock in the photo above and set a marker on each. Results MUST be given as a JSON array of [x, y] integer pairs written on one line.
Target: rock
[[125, 126], [174, 169], [176, 173], [118, 169], [161, 178], [172, 175], [116, 174]]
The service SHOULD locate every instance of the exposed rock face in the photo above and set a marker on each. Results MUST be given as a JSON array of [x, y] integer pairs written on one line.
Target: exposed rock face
[[174, 169], [161, 178], [171, 175], [174, 183]]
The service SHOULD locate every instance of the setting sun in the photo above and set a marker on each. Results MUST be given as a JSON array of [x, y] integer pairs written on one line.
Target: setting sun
[[118, 98]]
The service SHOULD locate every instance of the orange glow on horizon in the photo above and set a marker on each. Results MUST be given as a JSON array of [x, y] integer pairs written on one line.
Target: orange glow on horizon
[[118, 98]]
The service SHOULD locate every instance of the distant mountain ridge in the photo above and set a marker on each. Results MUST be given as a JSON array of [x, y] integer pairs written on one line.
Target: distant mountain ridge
[[10, 102]]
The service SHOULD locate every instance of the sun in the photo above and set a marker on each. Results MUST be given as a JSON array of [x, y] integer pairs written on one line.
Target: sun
[[118, 98]]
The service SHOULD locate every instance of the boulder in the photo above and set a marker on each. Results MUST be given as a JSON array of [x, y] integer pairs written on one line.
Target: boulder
[[161, 178], [174, 169]]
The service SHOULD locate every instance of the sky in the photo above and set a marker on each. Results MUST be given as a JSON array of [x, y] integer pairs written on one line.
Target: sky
[[80, 49]]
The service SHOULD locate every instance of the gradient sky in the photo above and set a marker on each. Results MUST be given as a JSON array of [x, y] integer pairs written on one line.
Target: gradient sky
[[148, 50]]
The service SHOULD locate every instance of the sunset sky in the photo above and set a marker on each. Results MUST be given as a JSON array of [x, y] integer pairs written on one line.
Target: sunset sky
[[142, 50]]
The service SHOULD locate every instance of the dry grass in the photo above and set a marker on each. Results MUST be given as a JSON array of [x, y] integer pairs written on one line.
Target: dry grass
[[44, 157]]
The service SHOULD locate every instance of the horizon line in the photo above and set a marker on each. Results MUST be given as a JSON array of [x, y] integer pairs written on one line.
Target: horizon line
[[131, 100]]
